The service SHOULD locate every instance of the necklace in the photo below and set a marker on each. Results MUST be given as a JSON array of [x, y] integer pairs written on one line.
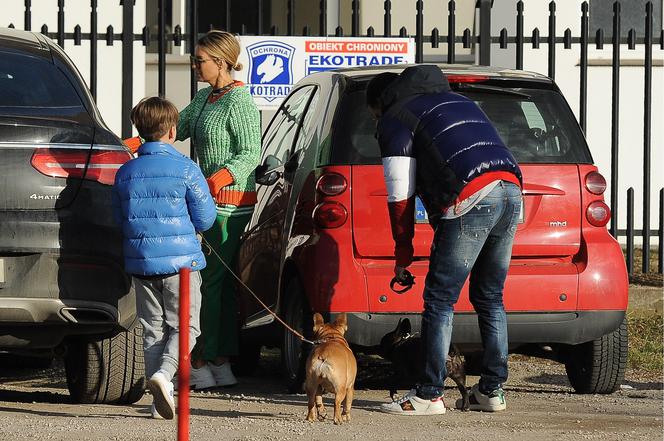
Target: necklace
[[219, 92]]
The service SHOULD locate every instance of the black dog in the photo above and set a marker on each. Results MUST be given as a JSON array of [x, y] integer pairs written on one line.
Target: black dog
[[405, 352]]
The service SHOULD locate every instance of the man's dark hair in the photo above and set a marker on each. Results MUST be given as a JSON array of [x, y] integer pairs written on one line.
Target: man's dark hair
[[376, 87]]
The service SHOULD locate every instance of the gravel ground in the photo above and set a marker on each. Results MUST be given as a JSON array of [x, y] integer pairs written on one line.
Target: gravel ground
[[541, 405]]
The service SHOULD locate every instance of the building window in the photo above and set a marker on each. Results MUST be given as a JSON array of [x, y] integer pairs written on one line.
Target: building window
[[632, 15]]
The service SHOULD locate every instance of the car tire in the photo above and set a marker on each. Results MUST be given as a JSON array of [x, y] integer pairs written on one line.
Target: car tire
[[598, 366], [294, 351], [108, 371]]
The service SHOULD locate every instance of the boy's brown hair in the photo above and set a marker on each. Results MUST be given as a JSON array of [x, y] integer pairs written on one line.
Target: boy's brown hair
[[153, 116]]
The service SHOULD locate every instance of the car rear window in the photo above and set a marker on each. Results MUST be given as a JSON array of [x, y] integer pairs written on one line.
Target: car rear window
[[27, 81], [537, 126]]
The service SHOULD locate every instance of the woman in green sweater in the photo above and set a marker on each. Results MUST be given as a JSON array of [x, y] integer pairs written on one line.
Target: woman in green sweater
[[223, 124]]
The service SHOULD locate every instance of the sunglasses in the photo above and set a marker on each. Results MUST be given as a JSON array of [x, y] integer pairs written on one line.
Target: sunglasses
[[198, 61]]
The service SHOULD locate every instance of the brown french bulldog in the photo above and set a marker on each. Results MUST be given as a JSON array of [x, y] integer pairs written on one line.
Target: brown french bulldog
[[406, 354], [331, 367]]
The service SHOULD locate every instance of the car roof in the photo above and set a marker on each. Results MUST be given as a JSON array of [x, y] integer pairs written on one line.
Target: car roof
[[497, 73], [28, 43]]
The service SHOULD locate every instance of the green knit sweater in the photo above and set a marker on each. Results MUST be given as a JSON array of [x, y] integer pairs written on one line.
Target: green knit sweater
[[226, 134]]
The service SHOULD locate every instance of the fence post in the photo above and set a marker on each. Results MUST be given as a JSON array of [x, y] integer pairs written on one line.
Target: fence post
[[93, 48], [61, 23], [387, 23], [552, 40], [161, 47], [615, 102], [485, 32], [647, 108], [355, 22], [193, 38], [519, 35], [419, 32], [451, 32], [290, 22], [127, 64], [583, 76], [183, 357], [630, 231], [27, 16], [323, 18], [660, 251]]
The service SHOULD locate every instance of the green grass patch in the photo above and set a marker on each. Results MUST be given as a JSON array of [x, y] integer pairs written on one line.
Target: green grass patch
[[646, 351]]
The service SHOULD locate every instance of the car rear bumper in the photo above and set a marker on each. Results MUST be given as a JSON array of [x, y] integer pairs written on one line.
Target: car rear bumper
[[45, 297], [572, 327], [44, 323]]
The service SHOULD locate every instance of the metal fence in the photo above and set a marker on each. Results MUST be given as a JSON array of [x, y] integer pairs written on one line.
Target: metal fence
[[482, 42]]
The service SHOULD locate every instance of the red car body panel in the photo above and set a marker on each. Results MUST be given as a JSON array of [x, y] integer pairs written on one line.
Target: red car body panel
[[560, 262]]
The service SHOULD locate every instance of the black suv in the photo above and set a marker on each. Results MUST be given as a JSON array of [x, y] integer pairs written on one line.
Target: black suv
[[63, 290]]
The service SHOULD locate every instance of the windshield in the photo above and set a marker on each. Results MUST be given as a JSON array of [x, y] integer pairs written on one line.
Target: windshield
[[537, 126]]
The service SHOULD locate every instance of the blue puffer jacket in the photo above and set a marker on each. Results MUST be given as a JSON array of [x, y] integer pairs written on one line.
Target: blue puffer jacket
[[161, 200]]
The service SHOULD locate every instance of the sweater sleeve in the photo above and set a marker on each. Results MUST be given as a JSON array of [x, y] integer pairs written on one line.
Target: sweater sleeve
[[245, 133]]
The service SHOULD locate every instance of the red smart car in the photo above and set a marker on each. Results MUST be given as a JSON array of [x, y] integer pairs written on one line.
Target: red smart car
[[320, 238]]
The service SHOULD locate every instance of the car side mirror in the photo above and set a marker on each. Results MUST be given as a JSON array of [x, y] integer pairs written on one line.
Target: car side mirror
[[268, 178], [266, 173]]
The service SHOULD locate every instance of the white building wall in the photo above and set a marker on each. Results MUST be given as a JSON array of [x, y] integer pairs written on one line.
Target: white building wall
[[109, 58]]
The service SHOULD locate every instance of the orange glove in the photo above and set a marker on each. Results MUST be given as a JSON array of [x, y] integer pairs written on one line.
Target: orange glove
[[218, 181], [133, 143]]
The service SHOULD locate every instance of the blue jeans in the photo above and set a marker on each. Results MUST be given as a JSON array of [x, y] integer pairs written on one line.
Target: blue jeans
[[478, 243]]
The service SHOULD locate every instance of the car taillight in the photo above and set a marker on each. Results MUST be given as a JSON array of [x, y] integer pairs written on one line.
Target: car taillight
[[595, 183], [598, 213], [466, 78], [331, 184], [330, 214], [101, 166]]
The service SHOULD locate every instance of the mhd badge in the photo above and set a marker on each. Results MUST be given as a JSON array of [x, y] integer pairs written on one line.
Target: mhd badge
[[270, 69]]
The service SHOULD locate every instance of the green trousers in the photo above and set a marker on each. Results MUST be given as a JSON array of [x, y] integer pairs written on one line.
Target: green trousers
[[219, 305]]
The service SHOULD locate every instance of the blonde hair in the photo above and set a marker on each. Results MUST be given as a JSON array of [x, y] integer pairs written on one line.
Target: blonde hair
[[153, 117], [223, 46]]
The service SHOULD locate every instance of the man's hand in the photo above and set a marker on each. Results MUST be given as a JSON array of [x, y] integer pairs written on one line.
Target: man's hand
[[399, 272], [403, 278]]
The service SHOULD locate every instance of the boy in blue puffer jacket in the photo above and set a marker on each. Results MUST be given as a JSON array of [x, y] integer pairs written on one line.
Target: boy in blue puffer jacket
[[162, 201]]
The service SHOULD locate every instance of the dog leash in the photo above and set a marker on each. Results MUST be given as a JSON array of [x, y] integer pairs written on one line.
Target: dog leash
[[265, 307]]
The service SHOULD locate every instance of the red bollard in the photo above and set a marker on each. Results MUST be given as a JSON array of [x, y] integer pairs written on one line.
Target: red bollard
[[183, 363]]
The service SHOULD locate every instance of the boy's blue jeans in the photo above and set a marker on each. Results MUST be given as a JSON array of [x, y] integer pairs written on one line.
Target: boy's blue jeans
[[478, 243]]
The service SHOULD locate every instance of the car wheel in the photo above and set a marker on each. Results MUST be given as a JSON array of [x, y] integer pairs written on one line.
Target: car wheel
[[108, 371], [293, 351], [598, 366]]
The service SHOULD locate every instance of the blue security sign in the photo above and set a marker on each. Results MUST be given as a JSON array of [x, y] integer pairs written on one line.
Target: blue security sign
[[271, 69]]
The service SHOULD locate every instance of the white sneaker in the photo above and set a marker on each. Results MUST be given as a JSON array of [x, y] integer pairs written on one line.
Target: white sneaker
[[493, 402], [223, 375], [201, 378], [155, 414], [162, 393], [411, 404]]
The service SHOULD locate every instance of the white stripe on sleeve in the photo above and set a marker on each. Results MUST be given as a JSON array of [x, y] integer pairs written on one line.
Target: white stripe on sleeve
[[399, 174]]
